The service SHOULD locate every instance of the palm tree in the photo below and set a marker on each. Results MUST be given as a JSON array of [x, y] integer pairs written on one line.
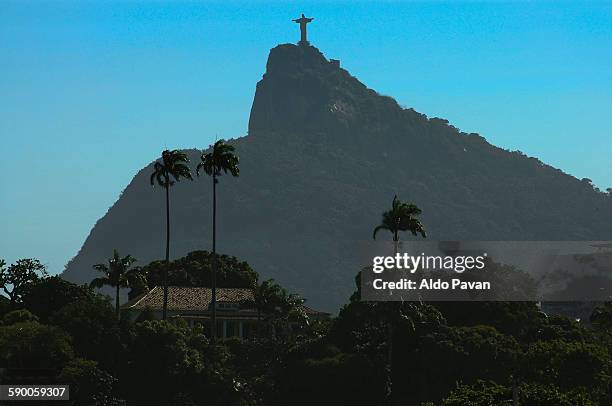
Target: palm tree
[[172, 165], [275, 304], [264, 296], [401, 217], [220, 160], [117, 274], [265, 299]]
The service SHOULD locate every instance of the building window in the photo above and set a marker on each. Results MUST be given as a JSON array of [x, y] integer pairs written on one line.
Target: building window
[[228, 306], [219, 328], [246, 330], [231, 328]]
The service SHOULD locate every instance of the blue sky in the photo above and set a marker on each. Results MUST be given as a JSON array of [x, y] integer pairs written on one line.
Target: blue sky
[[93, 90]]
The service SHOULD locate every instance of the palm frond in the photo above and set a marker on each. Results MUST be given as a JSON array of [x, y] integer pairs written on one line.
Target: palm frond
[[401, 217], [116, 270], [220, 159], [411, 209], [172, 165], [377, 229], [101, 268], [181, 171], [99, 282]]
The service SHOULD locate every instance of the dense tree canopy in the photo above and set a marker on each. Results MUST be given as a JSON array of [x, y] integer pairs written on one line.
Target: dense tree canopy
[[49, 295], [18, 278], [445, 354], [195, 269]]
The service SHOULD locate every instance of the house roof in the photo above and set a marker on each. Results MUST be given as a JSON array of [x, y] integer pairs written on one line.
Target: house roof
[[312, 312], [194, 299], [183, 298]]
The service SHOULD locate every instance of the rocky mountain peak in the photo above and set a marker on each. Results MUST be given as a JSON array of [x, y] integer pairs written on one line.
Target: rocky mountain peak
[[304, 93]]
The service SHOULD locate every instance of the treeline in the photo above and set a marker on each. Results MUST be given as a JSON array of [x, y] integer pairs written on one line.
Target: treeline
[[55, 332], [443, 354]]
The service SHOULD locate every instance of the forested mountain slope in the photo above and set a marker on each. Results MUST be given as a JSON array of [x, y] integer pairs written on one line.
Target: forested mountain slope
[[323, 157]]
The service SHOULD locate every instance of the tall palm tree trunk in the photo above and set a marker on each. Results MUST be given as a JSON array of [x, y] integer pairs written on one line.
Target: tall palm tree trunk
[[165, 307], [390, 336], [117, 303], [214, 262]]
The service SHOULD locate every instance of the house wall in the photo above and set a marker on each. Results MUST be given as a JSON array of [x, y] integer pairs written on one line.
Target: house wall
[[226, 327]]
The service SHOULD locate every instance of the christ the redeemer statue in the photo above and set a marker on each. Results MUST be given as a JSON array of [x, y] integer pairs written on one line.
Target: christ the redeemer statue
[[302, 21]]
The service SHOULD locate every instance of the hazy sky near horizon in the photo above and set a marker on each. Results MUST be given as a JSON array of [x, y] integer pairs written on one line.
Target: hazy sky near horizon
[[93, 90]]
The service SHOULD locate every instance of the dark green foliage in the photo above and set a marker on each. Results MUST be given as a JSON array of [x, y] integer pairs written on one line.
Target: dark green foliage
[[479, 394], [221, 159], [17, 279], [118, 275], [89, 385], [146, 315], [170, 364], [520, 319], [556, 327], [257, 364], [18, 316], [51, 294], [93, 326], [171, 169], [550, 395], [138, 285], [480, 354], [552, 358], [488, 393], [195, 269], [359, 327], [5, 305], [569, 366], [31, 345], [602, 316], [401, 217], [323, 375], [467, 353], [276, 308]]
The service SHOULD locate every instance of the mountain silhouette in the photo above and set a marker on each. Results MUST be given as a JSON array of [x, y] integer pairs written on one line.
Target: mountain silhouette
[[323, 158]]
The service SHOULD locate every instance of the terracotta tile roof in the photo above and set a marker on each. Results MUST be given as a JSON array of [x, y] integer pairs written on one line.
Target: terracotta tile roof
[[312, 312], [187, 298]]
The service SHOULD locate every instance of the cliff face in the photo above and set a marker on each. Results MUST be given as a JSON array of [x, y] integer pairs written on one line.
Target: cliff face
[[304, 94], [324, 157]]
